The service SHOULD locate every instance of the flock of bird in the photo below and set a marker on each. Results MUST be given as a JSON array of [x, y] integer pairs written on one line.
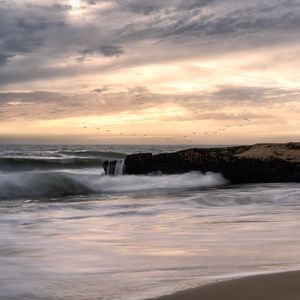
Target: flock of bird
[[188, 137]]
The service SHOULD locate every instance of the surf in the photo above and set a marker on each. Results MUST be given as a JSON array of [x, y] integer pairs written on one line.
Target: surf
[[36, 184], [41, 163]]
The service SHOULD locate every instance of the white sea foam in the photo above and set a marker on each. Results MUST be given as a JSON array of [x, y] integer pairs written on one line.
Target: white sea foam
[[54, 184], [151, 234], [137, 183]]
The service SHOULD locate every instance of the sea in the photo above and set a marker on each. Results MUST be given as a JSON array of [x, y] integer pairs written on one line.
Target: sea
[[68, 231]]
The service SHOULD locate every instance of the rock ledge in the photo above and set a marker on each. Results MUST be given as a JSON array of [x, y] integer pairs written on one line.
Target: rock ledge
[[239, 164]]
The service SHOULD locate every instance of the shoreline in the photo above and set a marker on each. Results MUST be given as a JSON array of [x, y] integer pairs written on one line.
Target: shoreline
[[272, 286]]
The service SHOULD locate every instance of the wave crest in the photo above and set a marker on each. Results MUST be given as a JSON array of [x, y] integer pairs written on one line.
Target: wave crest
[[59, 184], [22, 164]]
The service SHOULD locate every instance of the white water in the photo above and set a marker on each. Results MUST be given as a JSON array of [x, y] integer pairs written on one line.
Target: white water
[[74, 234], [116, 167], [63, 183], [145, 243], [119, 167]]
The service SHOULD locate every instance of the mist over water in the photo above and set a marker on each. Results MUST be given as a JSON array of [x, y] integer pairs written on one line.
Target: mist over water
[[54, 184], [71, 233]]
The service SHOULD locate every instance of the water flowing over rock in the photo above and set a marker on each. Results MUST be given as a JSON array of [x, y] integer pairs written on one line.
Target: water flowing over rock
[[114, 167], [239, 164]]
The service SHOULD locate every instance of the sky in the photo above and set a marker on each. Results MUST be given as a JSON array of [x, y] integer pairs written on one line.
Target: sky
[[149, 71]]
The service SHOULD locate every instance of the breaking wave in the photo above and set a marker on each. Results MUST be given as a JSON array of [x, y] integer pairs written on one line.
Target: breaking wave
[[27, 164], [58, 184]]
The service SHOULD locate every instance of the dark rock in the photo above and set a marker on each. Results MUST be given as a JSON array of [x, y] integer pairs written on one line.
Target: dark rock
[[241, 164], [105, 166], [293, 145]]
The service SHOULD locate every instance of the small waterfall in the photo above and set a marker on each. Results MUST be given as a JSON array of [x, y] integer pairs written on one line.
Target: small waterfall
[[114, 167], [119, 167]]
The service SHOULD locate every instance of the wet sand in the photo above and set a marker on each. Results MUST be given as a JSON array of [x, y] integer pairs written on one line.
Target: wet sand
[[278, 286]]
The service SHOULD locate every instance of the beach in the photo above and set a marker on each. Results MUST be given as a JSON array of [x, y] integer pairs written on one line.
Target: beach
[[278, 286], [149, 150], [70, 232]]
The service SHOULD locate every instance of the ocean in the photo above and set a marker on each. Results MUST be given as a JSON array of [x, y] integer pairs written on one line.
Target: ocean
[[67, 231]]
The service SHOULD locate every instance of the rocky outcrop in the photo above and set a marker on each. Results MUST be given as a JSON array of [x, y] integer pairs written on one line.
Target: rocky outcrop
[[240, 164]]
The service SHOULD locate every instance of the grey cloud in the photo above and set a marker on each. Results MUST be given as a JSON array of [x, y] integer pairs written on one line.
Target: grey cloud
[[215, 105], [256, 17], [87, 52], [19, 45], [38, 24], [147, 7], [197, 27], [244, 95], [101, 90], [47, 105], [218, 104], [110, 51], [49, 7], [106, 50], [24, 30], [4, 58], [62, 7], [252, 94], [91, 2]]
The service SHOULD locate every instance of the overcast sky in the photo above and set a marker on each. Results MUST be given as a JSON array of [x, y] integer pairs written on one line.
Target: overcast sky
[[149, 71]]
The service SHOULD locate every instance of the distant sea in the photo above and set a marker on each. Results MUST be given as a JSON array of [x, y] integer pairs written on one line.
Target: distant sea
[[67, 231]]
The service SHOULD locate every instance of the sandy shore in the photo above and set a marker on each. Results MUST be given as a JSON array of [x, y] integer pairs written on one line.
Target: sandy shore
[[279, 286]]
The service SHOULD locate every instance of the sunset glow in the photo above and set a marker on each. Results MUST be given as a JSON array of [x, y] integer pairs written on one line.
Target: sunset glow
[[128, 65]]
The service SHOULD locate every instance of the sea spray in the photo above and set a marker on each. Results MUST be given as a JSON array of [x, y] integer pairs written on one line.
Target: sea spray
[[151, 242], [57, 184]]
